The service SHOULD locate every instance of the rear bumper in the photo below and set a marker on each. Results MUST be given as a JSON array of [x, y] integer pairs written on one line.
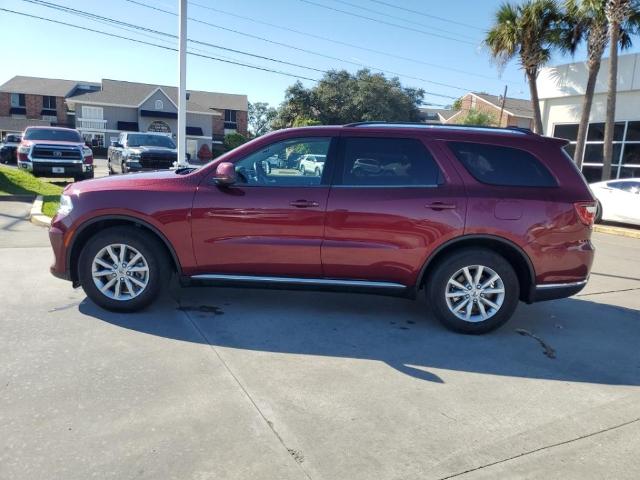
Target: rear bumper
[[553, 291]]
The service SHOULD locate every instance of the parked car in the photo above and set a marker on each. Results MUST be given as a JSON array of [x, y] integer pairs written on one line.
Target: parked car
[[55, 152], [9, 148], [476, 218], [311, 163], [618, 200], [135, 151]]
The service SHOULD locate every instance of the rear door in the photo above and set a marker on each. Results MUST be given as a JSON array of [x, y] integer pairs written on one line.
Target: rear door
[[390, 204]]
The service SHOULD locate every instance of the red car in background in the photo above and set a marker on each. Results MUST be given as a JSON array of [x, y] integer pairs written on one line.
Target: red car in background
[[55, 152], [477, 218]]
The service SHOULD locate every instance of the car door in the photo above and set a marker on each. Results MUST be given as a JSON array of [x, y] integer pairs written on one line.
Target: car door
[[271, 222], [630, 202], [390, 203]]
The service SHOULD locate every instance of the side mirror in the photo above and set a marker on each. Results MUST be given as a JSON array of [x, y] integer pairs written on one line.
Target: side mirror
[[225, 174]]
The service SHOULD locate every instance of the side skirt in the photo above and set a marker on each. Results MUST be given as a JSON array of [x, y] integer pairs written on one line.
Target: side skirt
[[294, 283]]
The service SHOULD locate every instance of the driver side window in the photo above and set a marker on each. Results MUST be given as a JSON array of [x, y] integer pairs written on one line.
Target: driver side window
[[285, 163]]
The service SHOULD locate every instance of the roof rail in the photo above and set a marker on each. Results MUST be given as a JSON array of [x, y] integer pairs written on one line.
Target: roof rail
[[525, 131]]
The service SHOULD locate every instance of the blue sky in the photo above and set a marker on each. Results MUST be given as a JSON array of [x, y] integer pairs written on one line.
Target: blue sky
[[34, 47]]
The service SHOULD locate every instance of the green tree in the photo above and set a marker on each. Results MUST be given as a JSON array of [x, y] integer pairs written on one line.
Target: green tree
[[619, 13], [586, 20], [529, 32], [476, 117], [261, 115], [233, 140], [341, 97]]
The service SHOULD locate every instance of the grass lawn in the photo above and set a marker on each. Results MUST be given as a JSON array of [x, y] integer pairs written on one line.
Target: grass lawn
[[19, 182]]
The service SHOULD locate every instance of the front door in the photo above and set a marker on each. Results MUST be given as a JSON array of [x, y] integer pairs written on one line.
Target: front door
[[391, 202], [271, 222]]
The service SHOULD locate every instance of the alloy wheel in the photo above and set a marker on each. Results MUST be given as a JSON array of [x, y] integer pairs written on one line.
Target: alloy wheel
[[120, 272], [475, 293]]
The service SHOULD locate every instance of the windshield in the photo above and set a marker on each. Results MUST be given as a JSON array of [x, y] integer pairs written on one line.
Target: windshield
[[12, 138], [142, 140], [52, 134]]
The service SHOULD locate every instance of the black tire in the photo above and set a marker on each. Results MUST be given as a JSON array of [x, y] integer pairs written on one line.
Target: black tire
[[436, 287], [109, 169], [598, 218], [152, 251], [318, 173]]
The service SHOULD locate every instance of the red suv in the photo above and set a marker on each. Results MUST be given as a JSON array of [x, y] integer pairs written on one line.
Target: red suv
[[478, 218]]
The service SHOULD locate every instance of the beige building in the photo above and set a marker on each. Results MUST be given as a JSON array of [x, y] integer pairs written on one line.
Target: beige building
[[561, 89]]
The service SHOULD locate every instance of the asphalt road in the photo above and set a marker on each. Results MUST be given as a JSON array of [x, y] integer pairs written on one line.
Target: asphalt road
[[247, 384]]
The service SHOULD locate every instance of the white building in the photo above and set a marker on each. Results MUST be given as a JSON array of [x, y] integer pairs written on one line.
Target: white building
[[561, 91]]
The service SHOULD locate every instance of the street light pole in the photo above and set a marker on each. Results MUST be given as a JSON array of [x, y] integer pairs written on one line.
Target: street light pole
[[182, 87]]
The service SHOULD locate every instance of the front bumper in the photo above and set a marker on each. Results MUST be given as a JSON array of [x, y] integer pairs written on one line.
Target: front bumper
[[46, 168], [59, 266]]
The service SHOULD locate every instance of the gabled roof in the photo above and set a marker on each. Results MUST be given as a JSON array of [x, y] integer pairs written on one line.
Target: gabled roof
[[133, 94], [42, 86], [515, 106]]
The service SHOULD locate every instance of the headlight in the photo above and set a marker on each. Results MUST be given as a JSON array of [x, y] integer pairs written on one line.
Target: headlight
[[134, 157], [66, 205], [87, 152]]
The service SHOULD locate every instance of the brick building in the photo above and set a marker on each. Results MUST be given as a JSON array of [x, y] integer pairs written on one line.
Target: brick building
[[100, 111]]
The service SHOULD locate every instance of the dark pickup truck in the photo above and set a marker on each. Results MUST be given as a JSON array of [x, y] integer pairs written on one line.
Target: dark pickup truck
[[134, 151]]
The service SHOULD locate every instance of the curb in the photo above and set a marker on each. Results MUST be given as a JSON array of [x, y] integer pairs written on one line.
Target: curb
[[620, 231], [36, 215], [17, 198]]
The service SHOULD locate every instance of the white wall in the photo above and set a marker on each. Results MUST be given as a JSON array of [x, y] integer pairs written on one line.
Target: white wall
[[561, 91]]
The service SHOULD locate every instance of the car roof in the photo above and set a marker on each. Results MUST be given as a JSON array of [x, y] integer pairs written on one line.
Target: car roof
[[46, 127]]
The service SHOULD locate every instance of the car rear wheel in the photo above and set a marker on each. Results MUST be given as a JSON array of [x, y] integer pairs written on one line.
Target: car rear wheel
[[122, 269], [473, 291]]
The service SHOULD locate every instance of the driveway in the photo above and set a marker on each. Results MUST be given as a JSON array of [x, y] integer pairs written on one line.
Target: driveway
[[241, 383]]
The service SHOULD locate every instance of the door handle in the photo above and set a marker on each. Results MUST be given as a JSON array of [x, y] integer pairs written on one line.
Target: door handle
[[437, 206], [303, 203]]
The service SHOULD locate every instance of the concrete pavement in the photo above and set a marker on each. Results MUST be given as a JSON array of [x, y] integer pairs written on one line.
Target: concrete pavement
[[240, 383]]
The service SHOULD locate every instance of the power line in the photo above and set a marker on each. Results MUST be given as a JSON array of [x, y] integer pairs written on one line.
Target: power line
[[93, 16], [403, 27], [312, 52], [416, 12], [402, 19], [143, 42], [90, 15], [346, 44]]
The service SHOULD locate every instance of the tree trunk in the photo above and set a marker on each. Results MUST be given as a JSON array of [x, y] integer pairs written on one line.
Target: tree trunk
[[535, 102], [614, 32], [587, 101]]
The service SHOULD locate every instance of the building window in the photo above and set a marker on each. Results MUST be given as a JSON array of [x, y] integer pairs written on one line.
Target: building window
[[92, 113], [48, 103], [159, 105], [626, 149], [17, 100], [230, 122]]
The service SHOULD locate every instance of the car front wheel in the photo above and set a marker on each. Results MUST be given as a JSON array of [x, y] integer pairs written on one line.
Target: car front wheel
[[473, 291], [122, 269]]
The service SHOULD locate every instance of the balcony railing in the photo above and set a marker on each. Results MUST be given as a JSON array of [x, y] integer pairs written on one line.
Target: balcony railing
[[91, 123]]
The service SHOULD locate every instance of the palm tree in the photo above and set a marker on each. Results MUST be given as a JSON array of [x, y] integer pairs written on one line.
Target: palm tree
[[620, 13], [529, 32], [586, 19]]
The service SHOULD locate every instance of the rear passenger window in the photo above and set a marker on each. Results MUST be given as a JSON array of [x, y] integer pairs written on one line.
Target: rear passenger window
[[505, 166], [387, 162]]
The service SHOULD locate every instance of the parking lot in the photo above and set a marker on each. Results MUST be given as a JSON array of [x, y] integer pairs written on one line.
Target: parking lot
[[239, 383]]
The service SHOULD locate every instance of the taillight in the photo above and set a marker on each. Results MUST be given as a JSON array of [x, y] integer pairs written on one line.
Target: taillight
[[22, 153], [586, 212]]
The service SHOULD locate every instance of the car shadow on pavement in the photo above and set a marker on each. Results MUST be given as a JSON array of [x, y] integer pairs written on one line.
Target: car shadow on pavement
[[592, 342]]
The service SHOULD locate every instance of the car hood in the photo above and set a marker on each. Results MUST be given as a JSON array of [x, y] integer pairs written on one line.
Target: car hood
[[129, 181], [52, 142]]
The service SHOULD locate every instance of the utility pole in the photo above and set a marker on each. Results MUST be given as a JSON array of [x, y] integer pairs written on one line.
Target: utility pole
[[504, 99], [182, 86]]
